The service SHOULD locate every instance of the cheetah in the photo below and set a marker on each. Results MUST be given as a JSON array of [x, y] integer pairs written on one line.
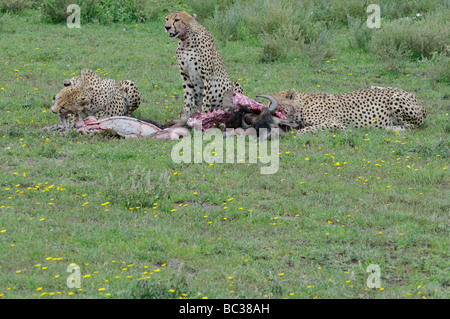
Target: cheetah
[[90, 95], [382, 107], [205, 78]]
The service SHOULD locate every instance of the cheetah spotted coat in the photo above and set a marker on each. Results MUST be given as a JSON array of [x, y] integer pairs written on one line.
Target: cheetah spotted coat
[[389, 108], [205, 78], [107, 96]]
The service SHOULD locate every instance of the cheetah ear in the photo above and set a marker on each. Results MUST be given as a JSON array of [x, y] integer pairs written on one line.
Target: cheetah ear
[[85, 74], [83, 79], [290, 95], [194, 15]]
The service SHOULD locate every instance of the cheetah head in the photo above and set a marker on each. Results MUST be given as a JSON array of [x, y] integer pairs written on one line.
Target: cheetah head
[[287, 99], [177, 24], [71, 99]]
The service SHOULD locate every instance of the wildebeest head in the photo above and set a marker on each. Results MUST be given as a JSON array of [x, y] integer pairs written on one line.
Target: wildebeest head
[[264, 121]]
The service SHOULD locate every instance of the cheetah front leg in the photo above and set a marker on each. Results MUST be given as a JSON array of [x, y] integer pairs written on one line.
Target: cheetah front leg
[[207, 106], [188, 93], [198, 83]]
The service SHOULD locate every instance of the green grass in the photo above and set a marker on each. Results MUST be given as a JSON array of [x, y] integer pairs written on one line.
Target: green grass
[[141, 226]]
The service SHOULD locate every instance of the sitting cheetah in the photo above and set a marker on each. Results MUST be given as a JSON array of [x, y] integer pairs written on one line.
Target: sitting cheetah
[[205, 78], [90, 95], [389, 108]]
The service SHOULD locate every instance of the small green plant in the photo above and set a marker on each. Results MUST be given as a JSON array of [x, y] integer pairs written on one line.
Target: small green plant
[[410, 39], [105, 11], [15, 5], [54, 11], [172, 287], [146, 10], [360, 34], [439, 67], [204, 9]]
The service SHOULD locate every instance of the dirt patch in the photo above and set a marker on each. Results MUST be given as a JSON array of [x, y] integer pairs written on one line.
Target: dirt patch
[[180, 264]]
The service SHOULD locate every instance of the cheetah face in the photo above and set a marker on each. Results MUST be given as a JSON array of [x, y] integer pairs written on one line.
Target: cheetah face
[[70, 100], [177, 24]]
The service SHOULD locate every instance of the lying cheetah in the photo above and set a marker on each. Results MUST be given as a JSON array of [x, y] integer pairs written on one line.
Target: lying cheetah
[[205, 78], [389, 108], [90, 95]]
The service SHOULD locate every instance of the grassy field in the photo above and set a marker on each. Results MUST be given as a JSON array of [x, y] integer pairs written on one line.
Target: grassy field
[[141, 226]]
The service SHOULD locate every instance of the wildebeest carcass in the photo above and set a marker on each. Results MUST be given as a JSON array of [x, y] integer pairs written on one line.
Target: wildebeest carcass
[[266, 121]]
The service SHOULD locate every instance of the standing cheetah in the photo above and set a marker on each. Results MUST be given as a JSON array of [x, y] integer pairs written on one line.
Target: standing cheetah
[[205, 78]]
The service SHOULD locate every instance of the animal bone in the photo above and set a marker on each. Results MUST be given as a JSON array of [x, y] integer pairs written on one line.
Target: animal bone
[[131, 128]]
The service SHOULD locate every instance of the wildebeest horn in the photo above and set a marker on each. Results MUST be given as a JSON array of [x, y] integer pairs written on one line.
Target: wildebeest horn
[[273, 103], [244, 124]]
